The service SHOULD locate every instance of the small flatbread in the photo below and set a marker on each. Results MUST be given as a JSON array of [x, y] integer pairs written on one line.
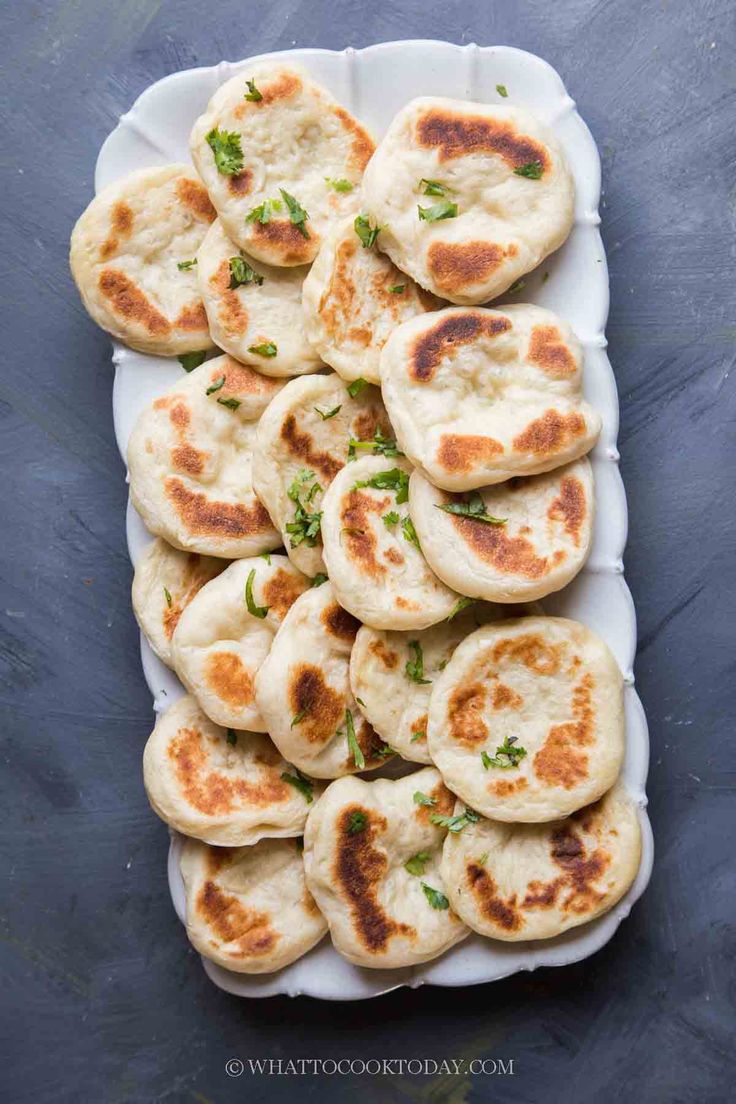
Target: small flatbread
[[296, 139], [494, 187], [189, 458], [526, 721], [542, 545], [301, 445], [248, 908], [165, 581], [219, 644], [258, 321], [303, 691], [126, 250], [359, 838], [375, 565], [353, 298], [225, 787], [479, 396], [535, 881]]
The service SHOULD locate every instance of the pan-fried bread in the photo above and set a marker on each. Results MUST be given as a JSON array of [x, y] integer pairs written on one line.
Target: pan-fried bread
[[535, 881], [254, 309], [131, 254], [221, 641], [296, 139], [372, 859], [542, 544], [526, 721], [301, 444], [375, 566], [353, 298], [230, 788], [494, 187], [189, 458], [248, 908], [479, 396]]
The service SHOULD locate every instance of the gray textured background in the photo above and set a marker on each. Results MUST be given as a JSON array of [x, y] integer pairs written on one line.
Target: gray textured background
[[102, 1000]]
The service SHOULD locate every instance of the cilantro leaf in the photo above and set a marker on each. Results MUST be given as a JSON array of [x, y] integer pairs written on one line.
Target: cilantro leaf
[[414, 668], [365, 231], [506, 757], [262, 213], [416, 864], [298, 718], [434, 187], [225, 146], [301, 783], [253, 609], [167, 596], [436, 899], [532, 170], [502, 90], [356, 387], [190, 361], [357, 822], [232, 737], [380, 446], [266, 556], [417, 736], [253, 94], [391, 518], [393, 479], [422, 798], [519, 285], [353, 745], [472, 507], [410, 533], [306, 524], [330, 413], [297, 214], [231, 404], [442, 210], [319, 579], [397, 289], [219, 383], [184, 266], [265, 349], [455, 823], [460, 605], [241, 274], [483, 859], [339, 185]]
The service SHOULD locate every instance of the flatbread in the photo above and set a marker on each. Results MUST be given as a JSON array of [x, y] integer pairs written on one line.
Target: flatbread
[[303, 691], [353, 298], [225, 787], [296, 137], [535, 881], [542, 545], [219, 644], [375, 566], [479, 396], [164, 583], [248, 908], [301, 445], [494, 186], [358, 838], [189, 458], [551, 688], [126, 250], [260, 321]]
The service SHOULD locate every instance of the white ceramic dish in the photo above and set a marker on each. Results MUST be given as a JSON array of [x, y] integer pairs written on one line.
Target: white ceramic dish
[[374, 83]]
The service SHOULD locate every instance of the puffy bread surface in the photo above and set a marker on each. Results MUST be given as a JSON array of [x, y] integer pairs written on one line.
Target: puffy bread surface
[[164, 583], [478, 396], [542, 545], [376, 569], [505, 222], [125, 253], [295, 138], [551, 687], [353, 298], [303, 690], [266, 314], [534, 881], [392, 675], [229, 793], [220, 644], [189, 458], [358, 838], [301, 445], [248, 908]]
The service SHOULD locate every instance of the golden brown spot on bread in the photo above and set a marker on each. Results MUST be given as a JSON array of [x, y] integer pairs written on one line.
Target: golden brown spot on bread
[[464, 714], [503, 697], [219, 519], [179, 415], [419, 729], [502, 787], [285, 240], [127, 300], [212, 792], [367, 421], [547, 349], [581, 870], [283, 86], [188, 459], [550, 433], [231, 681], [503, 913], [339, 623], [393, 556], [309, 904], [530, 649], [322, 707], [301, 445], [121, 222], [239, 184], [405, 603], [359, 868], [194, 196], [458, 265], [192, 317], [241, 379], [455, 135], [509, 555], [232, 923], [460, 453], [446, 336], [380, 649], [560, 760], [541, 894], [570, 507], [362, 146], [230, 310], [357, 532], [281, 591]]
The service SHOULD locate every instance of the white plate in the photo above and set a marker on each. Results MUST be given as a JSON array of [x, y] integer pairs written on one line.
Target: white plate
[[374, 83]]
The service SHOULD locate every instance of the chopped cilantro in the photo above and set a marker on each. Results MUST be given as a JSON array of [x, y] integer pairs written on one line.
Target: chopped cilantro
[[460, 605], [301, 783], [379, 445], [353, 745], [339, 185], [241, 274], [253, 94], [231, 404], [393, 479], [330, 413], [434, 187], [414, 668], [455, 823], [416, 864], [436, 899], [397, 289], [356, 387], [442, 210], [253, 609], [391, 518], [422, 798], [216, 386], [507, 755], [472, 507], [306, 524], [319, 579], [297, 214], [532, 170], [167, 596], [184, 266], [357, 822], [232, 737], [502, 90], [265, 349], [190, 361], [365, 231], [410, 533], [226, 148]]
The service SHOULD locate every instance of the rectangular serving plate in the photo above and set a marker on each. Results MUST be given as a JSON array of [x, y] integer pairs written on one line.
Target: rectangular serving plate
[[374, 84]]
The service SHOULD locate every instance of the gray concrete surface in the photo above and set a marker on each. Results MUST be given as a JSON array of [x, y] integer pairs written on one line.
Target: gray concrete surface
[[102, 1000]]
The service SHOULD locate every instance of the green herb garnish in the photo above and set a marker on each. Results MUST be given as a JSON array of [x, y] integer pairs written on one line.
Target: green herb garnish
[[357, 822], [231, 404], [232, 737], [184, 266], [253, 94], [253, 609], [502, 90], [241, 274], [225, 145], [297, 214], [455, 823], [434, 187], [416, 864], [356, 387], [219, 383], [414, 668], [519, 285], [330, 413], [167, 596], [339, 185], [442, 210], [379, 445], [422, 798], [391, 518], [265, 349], [436, 899], [417, 736], [483, 859], [394, 479], [301, 783], [266, 556], [319, 579], [353, 745], [298, 718], [472, 507], [507, 755], [262, 213], [365, 231], [410, 533], [532, 170], [460, 605], [190, 361], [397, 289], [306, 523]]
